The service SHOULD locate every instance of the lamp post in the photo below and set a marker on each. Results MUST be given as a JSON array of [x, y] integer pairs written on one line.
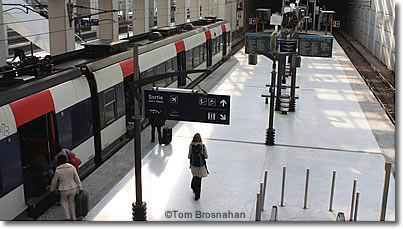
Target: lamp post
[[139, 207]]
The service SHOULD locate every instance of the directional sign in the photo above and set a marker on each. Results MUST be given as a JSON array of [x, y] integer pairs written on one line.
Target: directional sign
[[193, 107]]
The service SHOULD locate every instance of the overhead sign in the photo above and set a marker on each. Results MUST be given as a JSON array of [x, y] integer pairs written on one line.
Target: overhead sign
[[193, 107], [336, 24], [315, 46]]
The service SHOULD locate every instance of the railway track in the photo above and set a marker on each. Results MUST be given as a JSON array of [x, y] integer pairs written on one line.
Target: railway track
[[382, 88]]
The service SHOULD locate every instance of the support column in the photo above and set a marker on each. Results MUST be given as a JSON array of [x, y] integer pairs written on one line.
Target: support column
[[94, 6], [213, 8], [205, 8], [61, 34], [141, 23], [164, 13], [221, 7], [151, 7], [194, 10], [180, 12], [124, 10], [3, 38], [108, 22]]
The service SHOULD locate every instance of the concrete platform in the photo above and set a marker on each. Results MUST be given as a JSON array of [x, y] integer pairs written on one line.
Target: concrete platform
[[329, 131]]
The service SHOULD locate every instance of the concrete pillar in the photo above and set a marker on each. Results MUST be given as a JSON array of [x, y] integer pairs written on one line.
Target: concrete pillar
[[180, 12], [205, 8], [221, 7], [164, 13], [61, 34], [3, 38], [152, 4], [141, 19], [213, 8], [82, 11], [108, 22], [124, 8], [194, 10], [94, 5]]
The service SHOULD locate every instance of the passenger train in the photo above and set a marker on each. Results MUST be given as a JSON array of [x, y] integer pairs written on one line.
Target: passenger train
[[84, 105]]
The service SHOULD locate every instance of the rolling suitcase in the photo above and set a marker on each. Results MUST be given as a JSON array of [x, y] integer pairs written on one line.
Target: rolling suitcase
[[81, 204], [166, 135]]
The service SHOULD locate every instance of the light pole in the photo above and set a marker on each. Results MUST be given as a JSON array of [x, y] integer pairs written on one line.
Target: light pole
[[139, 207]]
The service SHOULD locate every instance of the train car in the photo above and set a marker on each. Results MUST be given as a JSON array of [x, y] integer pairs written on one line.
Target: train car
[[110, 76], [34, 117], [87, 108]]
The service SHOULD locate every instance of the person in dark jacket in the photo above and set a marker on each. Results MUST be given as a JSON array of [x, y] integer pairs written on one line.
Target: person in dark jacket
[[156, 123], [198, 169]]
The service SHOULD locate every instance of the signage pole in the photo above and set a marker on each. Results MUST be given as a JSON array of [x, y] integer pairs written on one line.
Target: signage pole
[[270, 132], [314, 15], [139, 207]]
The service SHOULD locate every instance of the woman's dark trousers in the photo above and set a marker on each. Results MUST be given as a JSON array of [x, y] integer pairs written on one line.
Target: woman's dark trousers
[[196, 186]]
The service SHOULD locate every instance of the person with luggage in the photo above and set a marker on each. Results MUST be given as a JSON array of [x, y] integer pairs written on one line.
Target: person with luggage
[[156, 123], [68, 180], [197, 155]]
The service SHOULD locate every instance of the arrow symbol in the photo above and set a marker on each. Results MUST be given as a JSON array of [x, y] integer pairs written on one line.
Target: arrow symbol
[[223, 117], [223, 103]]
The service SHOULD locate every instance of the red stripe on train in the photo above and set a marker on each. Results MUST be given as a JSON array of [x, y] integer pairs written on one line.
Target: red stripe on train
[[224, 29], [208, 34], [32, 107], [127, 67], [180, 46]]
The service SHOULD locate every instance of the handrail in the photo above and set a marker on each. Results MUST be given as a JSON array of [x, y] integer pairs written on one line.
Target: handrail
[[273, 216], [340, 217]]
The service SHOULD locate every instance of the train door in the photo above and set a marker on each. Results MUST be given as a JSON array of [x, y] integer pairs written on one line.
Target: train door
[[209, 46], [181, 60], [38, 140], [224, 42]]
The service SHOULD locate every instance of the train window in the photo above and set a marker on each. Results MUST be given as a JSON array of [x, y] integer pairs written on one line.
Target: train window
[[189, 60], [196, 56], [213, 46], [219, 43], [202, 52], [110, 105], [149, 73], [169, 68], [81, 122], [160, 69]]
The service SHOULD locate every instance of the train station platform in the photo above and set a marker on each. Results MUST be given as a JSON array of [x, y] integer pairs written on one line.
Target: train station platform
[[338, 126]]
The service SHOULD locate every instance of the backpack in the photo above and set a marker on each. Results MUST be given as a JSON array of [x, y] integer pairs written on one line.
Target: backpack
[[197, 158], [75, 161]]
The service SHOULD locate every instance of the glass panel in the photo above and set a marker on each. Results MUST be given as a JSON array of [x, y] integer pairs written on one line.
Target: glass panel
[[109, 113], [109, 105]]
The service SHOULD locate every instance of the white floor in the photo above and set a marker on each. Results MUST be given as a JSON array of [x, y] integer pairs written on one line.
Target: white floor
[[327, 132]]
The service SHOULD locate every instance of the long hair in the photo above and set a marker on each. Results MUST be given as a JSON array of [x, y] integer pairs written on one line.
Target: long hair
[[197, 138]]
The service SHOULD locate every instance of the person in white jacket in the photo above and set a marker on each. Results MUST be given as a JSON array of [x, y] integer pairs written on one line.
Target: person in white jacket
[[67, 178]]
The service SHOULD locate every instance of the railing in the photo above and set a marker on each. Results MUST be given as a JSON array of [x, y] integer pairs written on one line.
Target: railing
[[340, 217], [273, 216]]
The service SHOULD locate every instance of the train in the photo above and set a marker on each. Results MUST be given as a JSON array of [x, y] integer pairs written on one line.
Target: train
[[83, 104]]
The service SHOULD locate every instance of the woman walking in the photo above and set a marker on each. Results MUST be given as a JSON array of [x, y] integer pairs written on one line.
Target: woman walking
[[68, 179], [197, 155]]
